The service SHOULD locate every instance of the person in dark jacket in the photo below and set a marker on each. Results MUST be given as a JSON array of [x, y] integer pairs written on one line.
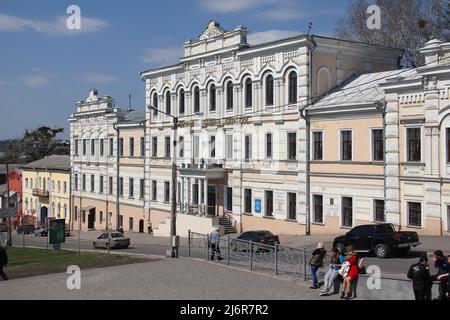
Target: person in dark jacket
[[316, 262], [443, 268], [3, 262], [419, 273]]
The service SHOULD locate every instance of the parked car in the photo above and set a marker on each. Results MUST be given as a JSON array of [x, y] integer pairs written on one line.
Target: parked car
[[110, 240], [25, 229], [381, 239], [263, 237], [40, 232], [4, 227]]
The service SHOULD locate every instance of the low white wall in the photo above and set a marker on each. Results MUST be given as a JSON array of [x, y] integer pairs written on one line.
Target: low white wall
[[188, 222]]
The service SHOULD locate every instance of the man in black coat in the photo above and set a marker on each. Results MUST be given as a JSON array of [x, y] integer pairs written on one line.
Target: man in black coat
[[419, 273], [3, 262]]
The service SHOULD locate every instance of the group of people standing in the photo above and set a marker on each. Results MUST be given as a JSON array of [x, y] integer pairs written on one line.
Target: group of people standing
[[344, 268], [422, 279]]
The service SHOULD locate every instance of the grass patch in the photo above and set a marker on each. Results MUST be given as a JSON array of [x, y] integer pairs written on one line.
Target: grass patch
[[27, 262]]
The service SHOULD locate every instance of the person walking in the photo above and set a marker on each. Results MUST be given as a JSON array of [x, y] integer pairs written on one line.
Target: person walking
[[443, 268], [351, 277], [316, 262], [419, 273], [333, 272], [3, 262], [215, 242]]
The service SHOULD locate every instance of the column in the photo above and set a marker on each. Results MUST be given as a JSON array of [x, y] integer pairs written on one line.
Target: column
[[199, 196], [182, 196], [205, 192]]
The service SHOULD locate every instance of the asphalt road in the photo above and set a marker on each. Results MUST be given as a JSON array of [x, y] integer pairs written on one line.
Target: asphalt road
[[391, 267]]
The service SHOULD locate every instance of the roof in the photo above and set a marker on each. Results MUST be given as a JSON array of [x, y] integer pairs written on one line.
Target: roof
[[53, 162], [11, 167], [133, 116], [361, 90]]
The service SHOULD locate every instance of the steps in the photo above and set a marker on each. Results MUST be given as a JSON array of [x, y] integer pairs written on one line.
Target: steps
[[228, 226]]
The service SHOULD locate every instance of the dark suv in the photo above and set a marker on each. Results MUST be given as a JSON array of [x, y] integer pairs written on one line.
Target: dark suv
[[25, 229], [381, 239]]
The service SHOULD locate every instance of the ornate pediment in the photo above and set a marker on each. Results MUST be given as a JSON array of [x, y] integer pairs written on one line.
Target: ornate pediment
[[212, 31]]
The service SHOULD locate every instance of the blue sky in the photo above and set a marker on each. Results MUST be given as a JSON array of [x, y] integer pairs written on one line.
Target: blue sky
[[46, 68]]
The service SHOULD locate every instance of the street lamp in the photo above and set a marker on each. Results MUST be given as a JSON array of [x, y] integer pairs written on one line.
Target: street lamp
[[174, 239]]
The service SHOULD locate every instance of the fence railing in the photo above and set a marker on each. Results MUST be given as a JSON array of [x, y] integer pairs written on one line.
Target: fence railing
[[276, 259]]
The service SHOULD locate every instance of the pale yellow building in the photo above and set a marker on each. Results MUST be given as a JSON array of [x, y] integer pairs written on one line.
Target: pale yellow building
[[46, 188]]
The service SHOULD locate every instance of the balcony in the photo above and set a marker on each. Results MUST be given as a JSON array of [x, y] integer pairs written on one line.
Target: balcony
[[40, 193]]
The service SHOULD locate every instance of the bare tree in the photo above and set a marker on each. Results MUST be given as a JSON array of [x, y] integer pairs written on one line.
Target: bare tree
[[405, 24]]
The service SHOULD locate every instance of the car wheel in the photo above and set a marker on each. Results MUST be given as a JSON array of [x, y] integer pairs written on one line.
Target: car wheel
[[381, 251]]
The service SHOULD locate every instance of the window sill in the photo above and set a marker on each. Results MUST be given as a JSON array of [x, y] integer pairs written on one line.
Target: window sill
[[413, 163], [414, 227], [291, 220], [269, 217], [322, 224], [248, 214], [346, 228]]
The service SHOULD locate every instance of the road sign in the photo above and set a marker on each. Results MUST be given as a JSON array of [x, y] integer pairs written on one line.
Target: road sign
[[8, 212], [56, 231]]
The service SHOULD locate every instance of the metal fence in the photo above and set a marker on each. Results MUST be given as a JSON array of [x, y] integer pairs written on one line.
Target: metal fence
[[276, 259]]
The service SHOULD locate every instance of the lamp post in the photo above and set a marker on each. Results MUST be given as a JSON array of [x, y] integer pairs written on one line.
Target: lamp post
[[174, 239]]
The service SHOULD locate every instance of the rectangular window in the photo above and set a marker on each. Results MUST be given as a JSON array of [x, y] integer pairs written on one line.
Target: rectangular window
[[102, 147], [415, 214], [379, 210], [414, 144], [346, 145], [65, 187], [131, 147], [154, 147], [100, 184], [292, 206], [131, 188], [92, 147], [167, 147], [292, 146], [141, 189], [111, 147], [109, 218], [76, 182], [229, 146], [92, 183], [110, 186], [83, 214], [229, 202], [101, 216], [377, 145], [317, 146], [154, 190], [196, 146], [75, 216], [318, 208], [166, 191], [142, 147], [121, 147], [121, 187], [130, 222], [212, 146], [248, 200], [53, 185], [181, 147], [76, 146], [347, 212], [268, 145], [269, 203], [83, 182], [59, 186], [84, 147], [248, 147]]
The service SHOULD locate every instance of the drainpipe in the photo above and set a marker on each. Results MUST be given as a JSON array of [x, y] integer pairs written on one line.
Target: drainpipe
[[117, 177], [381, 107]]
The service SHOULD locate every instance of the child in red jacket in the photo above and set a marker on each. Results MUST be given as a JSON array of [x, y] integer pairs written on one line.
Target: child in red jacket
[[352, 275]]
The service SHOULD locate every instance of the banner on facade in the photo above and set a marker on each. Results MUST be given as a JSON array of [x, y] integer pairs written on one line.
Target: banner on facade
[[56, 231]]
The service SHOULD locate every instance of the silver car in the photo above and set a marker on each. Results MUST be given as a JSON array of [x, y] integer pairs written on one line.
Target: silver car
[[111, 240]]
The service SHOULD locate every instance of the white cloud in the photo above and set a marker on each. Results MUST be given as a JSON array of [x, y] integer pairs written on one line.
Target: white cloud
[[97, 77], [282, 14], [270, 35], [161, 56], [38, 78], [57, 27], [231, 5]]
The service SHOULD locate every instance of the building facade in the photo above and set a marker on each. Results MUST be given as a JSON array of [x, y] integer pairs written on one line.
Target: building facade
[[46, 190]]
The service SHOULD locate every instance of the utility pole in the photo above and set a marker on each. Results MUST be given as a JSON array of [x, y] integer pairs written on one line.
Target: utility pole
[[174, 239], [9, 242]]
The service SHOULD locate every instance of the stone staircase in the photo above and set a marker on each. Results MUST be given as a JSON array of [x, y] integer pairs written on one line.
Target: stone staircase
[[227, 225]]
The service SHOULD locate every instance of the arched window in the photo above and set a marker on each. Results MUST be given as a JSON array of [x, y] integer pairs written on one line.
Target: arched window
[[155, 104], [196, 100], [212, 98], [323, 80], [293, 87], [269, 90], [181, 102], [248, 93], [168, 103], [229, 95]]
